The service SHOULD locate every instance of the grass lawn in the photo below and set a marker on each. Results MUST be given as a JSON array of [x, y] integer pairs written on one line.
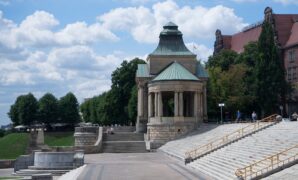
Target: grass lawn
[[59, 138], [10, 178], [13, 145]]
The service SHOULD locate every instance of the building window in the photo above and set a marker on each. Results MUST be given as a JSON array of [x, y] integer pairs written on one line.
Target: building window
[[292, 55]]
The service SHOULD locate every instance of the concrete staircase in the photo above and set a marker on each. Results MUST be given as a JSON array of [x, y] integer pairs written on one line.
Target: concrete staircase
[[203, 135], [223, 163], [123, 142]]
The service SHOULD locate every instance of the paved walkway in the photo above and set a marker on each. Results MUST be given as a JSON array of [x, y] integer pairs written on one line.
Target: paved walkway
[[135, 166], [6, 172]]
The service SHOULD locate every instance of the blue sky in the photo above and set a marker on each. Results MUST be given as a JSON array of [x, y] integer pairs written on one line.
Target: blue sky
[[59, 46]]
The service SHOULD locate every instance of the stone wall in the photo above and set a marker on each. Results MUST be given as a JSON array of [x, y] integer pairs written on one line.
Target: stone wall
[[88, 139], [159, 134], [158, 63], [9, 163], [23, 162]]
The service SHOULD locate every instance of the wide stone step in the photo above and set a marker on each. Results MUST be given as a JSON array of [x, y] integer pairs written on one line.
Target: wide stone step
[[123, 136], [29, 172], [124, 146]]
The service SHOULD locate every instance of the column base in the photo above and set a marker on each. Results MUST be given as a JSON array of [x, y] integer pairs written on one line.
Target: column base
[[205, 118], [141, 125]]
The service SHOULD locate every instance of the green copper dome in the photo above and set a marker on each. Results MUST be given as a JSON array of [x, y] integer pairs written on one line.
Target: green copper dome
[[175, 72], [171, 42]]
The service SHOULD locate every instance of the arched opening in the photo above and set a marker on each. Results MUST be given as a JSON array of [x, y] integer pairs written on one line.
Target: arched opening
[[168, 103]]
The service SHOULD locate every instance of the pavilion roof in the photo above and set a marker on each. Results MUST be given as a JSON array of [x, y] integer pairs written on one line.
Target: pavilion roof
[[175, 71]]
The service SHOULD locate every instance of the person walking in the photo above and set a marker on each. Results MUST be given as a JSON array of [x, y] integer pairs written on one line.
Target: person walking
[[238, 116], [254, 116]]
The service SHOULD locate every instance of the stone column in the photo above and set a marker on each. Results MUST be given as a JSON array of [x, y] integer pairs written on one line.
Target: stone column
[[200, 106], [176, 104], [149, 105], [141, 101], [142, 118], [180, 103], [205, 101], [195, 106], [155, 104], [160, 108], [145, 103]]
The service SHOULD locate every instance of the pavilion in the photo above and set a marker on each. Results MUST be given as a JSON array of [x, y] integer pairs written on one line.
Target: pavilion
[[171, 90]]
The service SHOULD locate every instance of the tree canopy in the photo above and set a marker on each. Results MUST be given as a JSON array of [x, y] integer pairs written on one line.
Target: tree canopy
[[250, 81], [118, 105], [28, 111], [270, 78], [69, 109], [24, 110], [48, 111]]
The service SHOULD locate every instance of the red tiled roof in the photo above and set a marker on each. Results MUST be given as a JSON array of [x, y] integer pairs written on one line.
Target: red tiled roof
[[239, 40], [283, 25], [293, 36]]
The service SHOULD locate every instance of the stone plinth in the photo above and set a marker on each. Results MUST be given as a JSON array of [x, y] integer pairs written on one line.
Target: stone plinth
[[163, 129], [53, 160], [85, 136]]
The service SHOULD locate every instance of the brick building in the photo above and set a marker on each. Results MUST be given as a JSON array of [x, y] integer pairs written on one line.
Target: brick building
[[286, 37]]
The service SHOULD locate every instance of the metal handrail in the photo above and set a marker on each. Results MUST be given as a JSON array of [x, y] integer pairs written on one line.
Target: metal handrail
[[277, 160], [197, 152]]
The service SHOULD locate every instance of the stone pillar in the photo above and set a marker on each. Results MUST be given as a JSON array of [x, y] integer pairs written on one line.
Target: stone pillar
[[201, 105], [155, 104], [180, 103], [160, 107], [142, 119], [205, 101], [145, 103], [141, 101], [195, 106], [176, 104], [149, 105]]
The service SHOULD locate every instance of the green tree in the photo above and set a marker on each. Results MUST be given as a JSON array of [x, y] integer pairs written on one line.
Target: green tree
[[118, 105], [270, 78], [69, 109], [48, 109], [223, 59], [85, 110], [132, 105], [249, 57], [123, 80], [14, 111], [26, 108]]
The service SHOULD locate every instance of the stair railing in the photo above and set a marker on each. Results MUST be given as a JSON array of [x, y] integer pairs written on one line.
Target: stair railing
[[228, 138], [271, 163]]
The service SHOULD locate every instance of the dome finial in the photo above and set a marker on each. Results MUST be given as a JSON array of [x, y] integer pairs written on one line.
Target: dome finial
[[170, 25]]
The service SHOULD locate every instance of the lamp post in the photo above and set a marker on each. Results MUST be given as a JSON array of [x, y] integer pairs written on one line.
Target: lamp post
[[221, 105]]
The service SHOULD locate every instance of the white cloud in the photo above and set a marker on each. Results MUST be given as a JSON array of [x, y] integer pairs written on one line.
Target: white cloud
[[144, 24], [37, 30], [202, 51], [287, 2], [81, 33]]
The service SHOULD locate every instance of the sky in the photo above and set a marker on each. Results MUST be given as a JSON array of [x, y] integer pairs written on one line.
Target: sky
[[59, 46]]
